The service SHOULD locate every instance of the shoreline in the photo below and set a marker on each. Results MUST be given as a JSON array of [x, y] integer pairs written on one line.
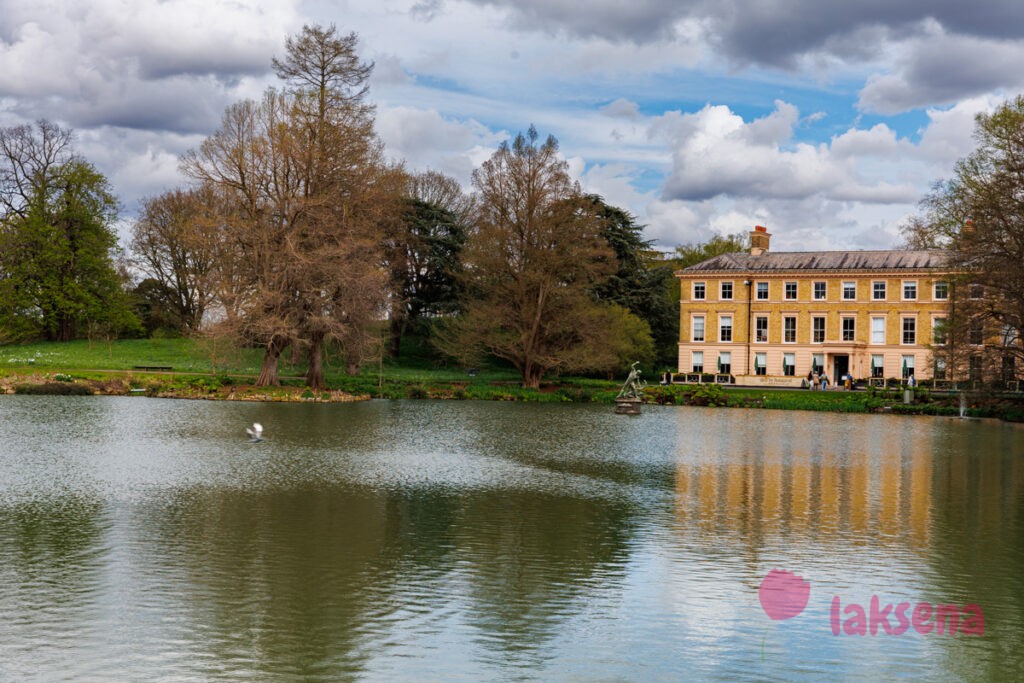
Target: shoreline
[[208, 387]]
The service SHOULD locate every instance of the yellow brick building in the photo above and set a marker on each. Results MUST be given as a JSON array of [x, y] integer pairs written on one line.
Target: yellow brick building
[[768, 318]]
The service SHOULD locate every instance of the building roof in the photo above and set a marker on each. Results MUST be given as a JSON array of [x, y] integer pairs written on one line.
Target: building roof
[[894, 259]]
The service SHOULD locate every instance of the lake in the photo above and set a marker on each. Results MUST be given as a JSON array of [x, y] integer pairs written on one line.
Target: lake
[[146, 539]]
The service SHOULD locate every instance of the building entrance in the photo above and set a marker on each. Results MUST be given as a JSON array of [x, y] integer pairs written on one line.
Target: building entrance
[[841, 365]]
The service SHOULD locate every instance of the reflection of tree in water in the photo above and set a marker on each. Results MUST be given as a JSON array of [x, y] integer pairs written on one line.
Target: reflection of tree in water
[[51, 560], [282, 581], [49, 551], [532, 560], [977, 551]]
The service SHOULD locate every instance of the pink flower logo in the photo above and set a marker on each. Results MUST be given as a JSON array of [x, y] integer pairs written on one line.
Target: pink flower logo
[[783, 594]]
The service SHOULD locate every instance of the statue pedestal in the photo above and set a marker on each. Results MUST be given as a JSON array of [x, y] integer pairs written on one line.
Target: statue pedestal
[[627, 406]]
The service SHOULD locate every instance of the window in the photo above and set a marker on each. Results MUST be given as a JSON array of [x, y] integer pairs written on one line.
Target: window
[[849, 329], [1008, 335], [789, 364], [761, 328], [697, 361], [908, 366], [976, 292], [1009, 368], [817, 362], [725, 328], [878, 291], [910, 330], [878, 330], [941, 291], [849, 291], [976, 335], [818, 330], [725, 363], [789, 329], [760, 363], [726, 290], [791, 291], [939, 331], [940, 368], [909, 290], [698, 290], [877, 365], [974, 367], [698, 329], [820, 291], [762, 291]]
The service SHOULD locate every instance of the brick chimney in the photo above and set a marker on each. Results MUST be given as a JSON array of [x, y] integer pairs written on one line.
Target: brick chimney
[[759, 239]]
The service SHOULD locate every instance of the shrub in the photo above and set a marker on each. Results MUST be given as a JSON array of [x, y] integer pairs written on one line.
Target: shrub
[[416, 391], [53, 389]]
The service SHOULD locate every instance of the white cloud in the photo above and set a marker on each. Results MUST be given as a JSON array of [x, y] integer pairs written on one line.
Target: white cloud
[[425, 139]]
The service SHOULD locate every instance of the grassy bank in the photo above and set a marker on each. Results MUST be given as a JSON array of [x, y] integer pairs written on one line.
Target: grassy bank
[[202, 369]]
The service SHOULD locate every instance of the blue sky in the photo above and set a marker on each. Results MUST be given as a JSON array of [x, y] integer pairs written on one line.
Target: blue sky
[[825, 121]]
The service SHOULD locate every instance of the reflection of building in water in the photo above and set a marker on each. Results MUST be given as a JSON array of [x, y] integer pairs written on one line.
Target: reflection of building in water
[[846, 479], [808, 481]]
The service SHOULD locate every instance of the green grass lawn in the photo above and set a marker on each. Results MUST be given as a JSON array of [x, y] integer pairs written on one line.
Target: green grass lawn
[[417, 374], [200, 356]]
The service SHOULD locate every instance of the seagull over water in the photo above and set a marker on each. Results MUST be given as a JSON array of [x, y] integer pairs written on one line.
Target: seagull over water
[[255, 432]]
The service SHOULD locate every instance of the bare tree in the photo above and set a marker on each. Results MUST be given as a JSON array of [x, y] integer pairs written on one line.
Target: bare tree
[[174, 242], [309, 194]]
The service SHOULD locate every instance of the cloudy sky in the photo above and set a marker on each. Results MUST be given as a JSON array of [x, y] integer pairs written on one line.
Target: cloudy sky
[[825, 121]]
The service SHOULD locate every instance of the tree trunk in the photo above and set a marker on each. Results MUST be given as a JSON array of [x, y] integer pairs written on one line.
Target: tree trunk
[[397, 328], [315, 371], [268, 373], [532, 375], [352, 363], [67, 329]]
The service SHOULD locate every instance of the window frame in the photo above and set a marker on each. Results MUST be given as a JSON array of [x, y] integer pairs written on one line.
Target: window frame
[[875, 290], [758, 329], [845, 334], [881, 318], [788, 333], [913, 330], [722, 328], [789, 369], [850, 284], [935, 290], [814, 331], [903, 290], [703, 291], [788, 288], [824, 290], [703, 328], [721, 290], [693, 366], [757, 291]]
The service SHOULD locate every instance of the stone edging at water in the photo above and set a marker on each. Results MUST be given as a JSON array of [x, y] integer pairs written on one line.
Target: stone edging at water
[[60, 384]]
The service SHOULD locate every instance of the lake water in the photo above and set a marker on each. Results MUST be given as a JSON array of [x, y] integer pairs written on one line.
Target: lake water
[[145, 539]]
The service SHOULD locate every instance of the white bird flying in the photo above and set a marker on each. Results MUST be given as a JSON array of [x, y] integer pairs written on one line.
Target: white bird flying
[[255, 432]]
